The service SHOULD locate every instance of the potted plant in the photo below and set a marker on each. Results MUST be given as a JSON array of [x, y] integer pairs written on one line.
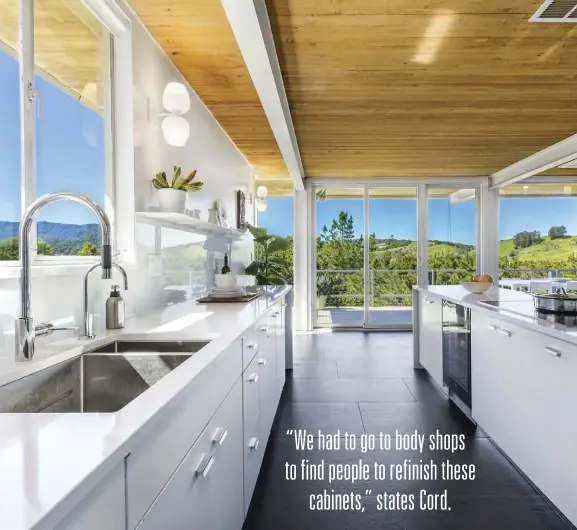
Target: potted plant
[[172, 197], [326, 286], [267, 268]]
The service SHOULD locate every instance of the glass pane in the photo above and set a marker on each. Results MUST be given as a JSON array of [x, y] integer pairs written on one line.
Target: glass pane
[[392, 255], [452, 234], [278, 220], [340, 257], [9, 132], [538, 235], [70, 154]]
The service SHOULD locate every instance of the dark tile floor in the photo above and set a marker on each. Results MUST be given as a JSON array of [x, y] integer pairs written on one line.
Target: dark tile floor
[[364, 383]]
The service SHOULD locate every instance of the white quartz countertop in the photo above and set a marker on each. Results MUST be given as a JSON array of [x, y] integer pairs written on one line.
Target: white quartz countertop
[[49, 462], [514, 306]]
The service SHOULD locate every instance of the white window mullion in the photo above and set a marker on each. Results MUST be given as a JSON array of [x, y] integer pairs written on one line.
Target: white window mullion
[[27, 108]]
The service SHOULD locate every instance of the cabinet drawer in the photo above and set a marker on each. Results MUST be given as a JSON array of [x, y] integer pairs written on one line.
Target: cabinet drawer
[[251, 384], [103, 508], [205, 492], [253, 453], [168, 440]]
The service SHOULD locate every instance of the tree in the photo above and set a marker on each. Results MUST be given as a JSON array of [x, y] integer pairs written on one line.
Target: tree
[[526, 239], [44, 248], [89, 249], [557, 232], [342, 229], [9, 249]]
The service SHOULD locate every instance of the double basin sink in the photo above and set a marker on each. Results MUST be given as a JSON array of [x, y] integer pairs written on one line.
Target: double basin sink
[[104, 379]]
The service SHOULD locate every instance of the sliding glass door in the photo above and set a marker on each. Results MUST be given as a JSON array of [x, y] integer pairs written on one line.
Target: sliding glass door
[[392, 256], [340, 258]]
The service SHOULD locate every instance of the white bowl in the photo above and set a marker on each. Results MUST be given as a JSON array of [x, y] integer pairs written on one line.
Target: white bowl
[[477, 287], [225, 280]]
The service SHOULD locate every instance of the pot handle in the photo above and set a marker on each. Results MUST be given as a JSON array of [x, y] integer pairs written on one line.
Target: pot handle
[[561, 291]]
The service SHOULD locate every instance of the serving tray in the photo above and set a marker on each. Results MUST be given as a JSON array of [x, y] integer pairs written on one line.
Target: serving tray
[[242, 299]]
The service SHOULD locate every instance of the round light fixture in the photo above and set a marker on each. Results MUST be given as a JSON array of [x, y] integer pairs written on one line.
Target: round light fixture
[[175, 98], [262, 192], [261, 205], [175, 130]]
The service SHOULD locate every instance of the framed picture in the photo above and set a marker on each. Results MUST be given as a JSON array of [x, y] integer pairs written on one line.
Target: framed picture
[[240, 210]]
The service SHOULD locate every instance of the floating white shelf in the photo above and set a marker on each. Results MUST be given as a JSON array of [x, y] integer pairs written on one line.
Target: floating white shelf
[[186, 223]]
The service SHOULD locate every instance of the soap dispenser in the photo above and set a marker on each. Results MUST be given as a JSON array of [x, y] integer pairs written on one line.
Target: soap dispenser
[[115, 309]]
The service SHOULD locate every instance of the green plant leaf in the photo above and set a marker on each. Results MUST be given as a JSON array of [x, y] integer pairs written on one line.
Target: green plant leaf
[[278, 243], [263, 240], [193, 186], [189, 177], [254, 268], [257, 231]]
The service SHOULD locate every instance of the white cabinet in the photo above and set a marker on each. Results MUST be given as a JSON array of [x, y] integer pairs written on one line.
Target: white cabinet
[[280, 347], [205, 493], [103, 508], [431, 335], [524, 395]]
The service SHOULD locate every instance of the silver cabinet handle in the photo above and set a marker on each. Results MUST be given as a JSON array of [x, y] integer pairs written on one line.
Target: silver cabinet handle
[[429, 301], [219, 436], [492, 327], [253, 378], [262, 362], [553, 351], [253, 443], [262, 329], [505, 332], [252, 345], [204, 466]]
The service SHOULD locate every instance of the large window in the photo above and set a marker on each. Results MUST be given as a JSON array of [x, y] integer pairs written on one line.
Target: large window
[[71, 144], [538, 231], [9, 133]]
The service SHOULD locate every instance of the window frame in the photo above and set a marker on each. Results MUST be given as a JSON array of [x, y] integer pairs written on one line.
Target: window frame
[[118, 133]]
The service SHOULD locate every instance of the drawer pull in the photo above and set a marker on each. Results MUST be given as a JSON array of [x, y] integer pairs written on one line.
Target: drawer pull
[[253, 378], [253, 443], [219, 436], [429, 301], [505, 332], [204, 466], [262, 329], [492, 327], [252, 345], [262, 362], [553, 351]]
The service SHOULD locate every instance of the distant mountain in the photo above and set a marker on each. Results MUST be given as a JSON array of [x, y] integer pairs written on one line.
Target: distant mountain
[[48, 231]]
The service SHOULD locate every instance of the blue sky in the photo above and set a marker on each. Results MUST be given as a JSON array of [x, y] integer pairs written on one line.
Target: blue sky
[[447, 223], [70, 156], [69, 149]]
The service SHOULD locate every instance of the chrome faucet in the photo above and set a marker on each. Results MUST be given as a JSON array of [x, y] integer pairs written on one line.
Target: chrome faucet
[[88, 323], [26, 330]]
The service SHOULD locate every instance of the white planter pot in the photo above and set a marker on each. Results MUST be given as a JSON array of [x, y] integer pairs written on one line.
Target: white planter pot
[[321, 301], [172, 201]]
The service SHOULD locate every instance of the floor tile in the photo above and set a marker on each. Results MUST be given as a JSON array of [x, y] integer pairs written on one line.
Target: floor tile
[[315, 370], [326, 417], [339, 390], [408, 417], [373, 370]]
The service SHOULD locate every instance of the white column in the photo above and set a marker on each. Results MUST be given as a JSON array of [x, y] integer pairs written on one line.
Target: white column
[[303, 302], [488, 231]]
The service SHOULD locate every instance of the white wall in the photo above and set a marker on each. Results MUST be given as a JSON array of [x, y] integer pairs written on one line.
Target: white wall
[[209, 150]]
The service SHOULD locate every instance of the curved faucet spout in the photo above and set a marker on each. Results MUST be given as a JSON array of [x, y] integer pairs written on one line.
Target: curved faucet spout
[[25, 326]]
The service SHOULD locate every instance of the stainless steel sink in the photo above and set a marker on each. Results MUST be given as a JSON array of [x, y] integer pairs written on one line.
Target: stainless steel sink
[[105, 379]]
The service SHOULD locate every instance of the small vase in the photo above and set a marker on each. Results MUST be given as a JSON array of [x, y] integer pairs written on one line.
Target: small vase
[[171, 201], [321, 301]]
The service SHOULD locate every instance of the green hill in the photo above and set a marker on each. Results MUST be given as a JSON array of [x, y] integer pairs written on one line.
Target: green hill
[[554, 250]]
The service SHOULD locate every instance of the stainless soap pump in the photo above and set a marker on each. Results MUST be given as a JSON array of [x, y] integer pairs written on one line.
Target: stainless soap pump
[[115, 309]]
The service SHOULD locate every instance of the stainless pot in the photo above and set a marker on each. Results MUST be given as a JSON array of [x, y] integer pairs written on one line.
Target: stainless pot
[[564, 319], [559, 302]]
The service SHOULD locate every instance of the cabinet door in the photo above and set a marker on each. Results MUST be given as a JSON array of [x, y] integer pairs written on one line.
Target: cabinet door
[[206, 491], [253, 454], [431, 336], [268, 396], [280, 349]]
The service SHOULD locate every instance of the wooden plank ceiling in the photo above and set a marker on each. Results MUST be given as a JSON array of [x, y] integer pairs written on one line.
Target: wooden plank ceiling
[[68, 45], [197, 37], [423, 88]]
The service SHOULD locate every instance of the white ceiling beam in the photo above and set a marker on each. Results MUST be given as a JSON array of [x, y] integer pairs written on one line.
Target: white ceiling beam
[[251, 27], [548, 158]]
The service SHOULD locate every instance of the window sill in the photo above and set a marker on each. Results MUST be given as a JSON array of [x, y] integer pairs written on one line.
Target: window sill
[[14, 272]]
